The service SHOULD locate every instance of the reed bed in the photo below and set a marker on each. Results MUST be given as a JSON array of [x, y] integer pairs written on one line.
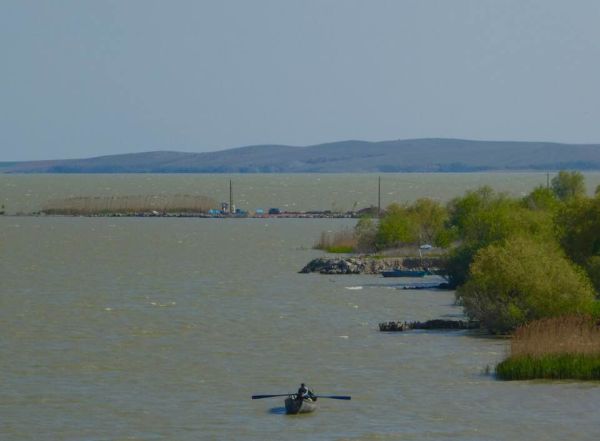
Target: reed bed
[[554, 348], [129, 205], [343, 241]]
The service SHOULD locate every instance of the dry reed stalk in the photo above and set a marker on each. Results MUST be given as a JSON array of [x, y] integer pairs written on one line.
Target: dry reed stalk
[[559, 335], [85, 206], [338, 239]]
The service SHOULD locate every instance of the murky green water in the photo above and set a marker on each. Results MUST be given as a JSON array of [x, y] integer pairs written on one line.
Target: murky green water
[[161, 329]]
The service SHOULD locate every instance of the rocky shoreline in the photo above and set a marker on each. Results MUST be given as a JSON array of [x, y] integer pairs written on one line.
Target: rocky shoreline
[[369, 264], [429, 325]]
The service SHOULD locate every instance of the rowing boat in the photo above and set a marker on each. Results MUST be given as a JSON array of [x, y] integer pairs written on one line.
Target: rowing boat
[[294, 406], [404, 273]]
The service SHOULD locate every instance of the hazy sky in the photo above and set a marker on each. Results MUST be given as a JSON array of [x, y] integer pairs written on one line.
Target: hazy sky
[[87, 78]]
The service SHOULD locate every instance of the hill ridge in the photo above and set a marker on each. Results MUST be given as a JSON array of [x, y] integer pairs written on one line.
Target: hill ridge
[[349, 156]]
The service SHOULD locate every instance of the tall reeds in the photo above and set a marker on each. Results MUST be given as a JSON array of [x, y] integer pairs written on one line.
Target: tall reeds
[[129, 205], [560, 335], [343, 241], [555, 348]]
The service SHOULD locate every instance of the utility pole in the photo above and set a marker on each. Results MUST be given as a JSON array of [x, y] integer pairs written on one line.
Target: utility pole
[[230, 197], [379, 198], [548, 180]]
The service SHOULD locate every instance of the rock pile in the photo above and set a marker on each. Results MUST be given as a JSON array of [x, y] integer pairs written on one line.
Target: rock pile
[[365, 264], [430, 324]]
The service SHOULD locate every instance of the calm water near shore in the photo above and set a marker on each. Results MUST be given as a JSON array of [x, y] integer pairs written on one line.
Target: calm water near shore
[[161, 329]]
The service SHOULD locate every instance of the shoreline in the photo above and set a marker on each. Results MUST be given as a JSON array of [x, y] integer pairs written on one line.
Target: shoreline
[[291, 215]]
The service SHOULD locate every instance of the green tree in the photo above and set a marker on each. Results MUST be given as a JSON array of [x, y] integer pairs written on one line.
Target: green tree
[[430, 217], [520, 280], [482, 218], [541, 198], [578, 223], [396, 228], [568, 185]]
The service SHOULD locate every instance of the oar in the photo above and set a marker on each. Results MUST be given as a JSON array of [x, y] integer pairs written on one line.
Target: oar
[[258, 397], [333, 397]]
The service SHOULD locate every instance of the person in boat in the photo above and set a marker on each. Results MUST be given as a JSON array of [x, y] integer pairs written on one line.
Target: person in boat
[[304, 393]]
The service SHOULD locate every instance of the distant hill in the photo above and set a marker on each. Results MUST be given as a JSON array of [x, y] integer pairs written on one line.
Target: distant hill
[[413, 155]]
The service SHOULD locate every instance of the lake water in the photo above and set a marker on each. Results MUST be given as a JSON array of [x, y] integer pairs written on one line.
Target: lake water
[[162, 329], [336, 192]]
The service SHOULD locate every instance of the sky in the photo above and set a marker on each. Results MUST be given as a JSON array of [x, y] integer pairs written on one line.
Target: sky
[[91, 78]]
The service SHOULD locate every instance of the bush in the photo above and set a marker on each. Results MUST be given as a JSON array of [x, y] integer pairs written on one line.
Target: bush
[[365, 233], [568, 185], [521, 280], [396, 228], [482, 218]]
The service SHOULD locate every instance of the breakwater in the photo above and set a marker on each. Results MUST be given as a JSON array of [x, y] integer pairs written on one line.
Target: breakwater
[[370, 264], [439, 324]]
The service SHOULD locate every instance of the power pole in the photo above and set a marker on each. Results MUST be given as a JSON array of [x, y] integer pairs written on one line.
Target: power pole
[[379, 198], [230, 197]]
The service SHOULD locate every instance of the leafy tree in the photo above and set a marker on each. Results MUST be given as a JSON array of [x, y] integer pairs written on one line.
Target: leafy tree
[[430, 217], [396, 228], [568, 185], [365, 233], [541, 198], [578, 223], [520, 280], [579, 226], [482, 218]]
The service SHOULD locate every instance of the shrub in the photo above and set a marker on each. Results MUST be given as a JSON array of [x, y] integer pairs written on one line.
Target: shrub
[[396, 228], [365, 233], [521, 280], [568, 185]]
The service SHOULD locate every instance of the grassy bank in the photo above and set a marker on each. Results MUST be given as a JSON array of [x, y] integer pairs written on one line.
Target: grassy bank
[[559, 348], [550, 367]]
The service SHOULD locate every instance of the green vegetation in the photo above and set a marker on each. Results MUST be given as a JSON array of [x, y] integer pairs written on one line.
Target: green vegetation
[[578, 223], [529, 264], [568, 185], [550, 367], [401, 226], [520, 280], [558, 348], [512, 260]]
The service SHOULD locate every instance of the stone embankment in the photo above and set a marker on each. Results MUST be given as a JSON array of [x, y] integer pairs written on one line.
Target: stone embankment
[[369, 265], [430, 324]]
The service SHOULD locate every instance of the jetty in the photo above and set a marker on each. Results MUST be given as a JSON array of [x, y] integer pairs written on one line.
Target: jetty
[[370, 265], [437, 324]]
